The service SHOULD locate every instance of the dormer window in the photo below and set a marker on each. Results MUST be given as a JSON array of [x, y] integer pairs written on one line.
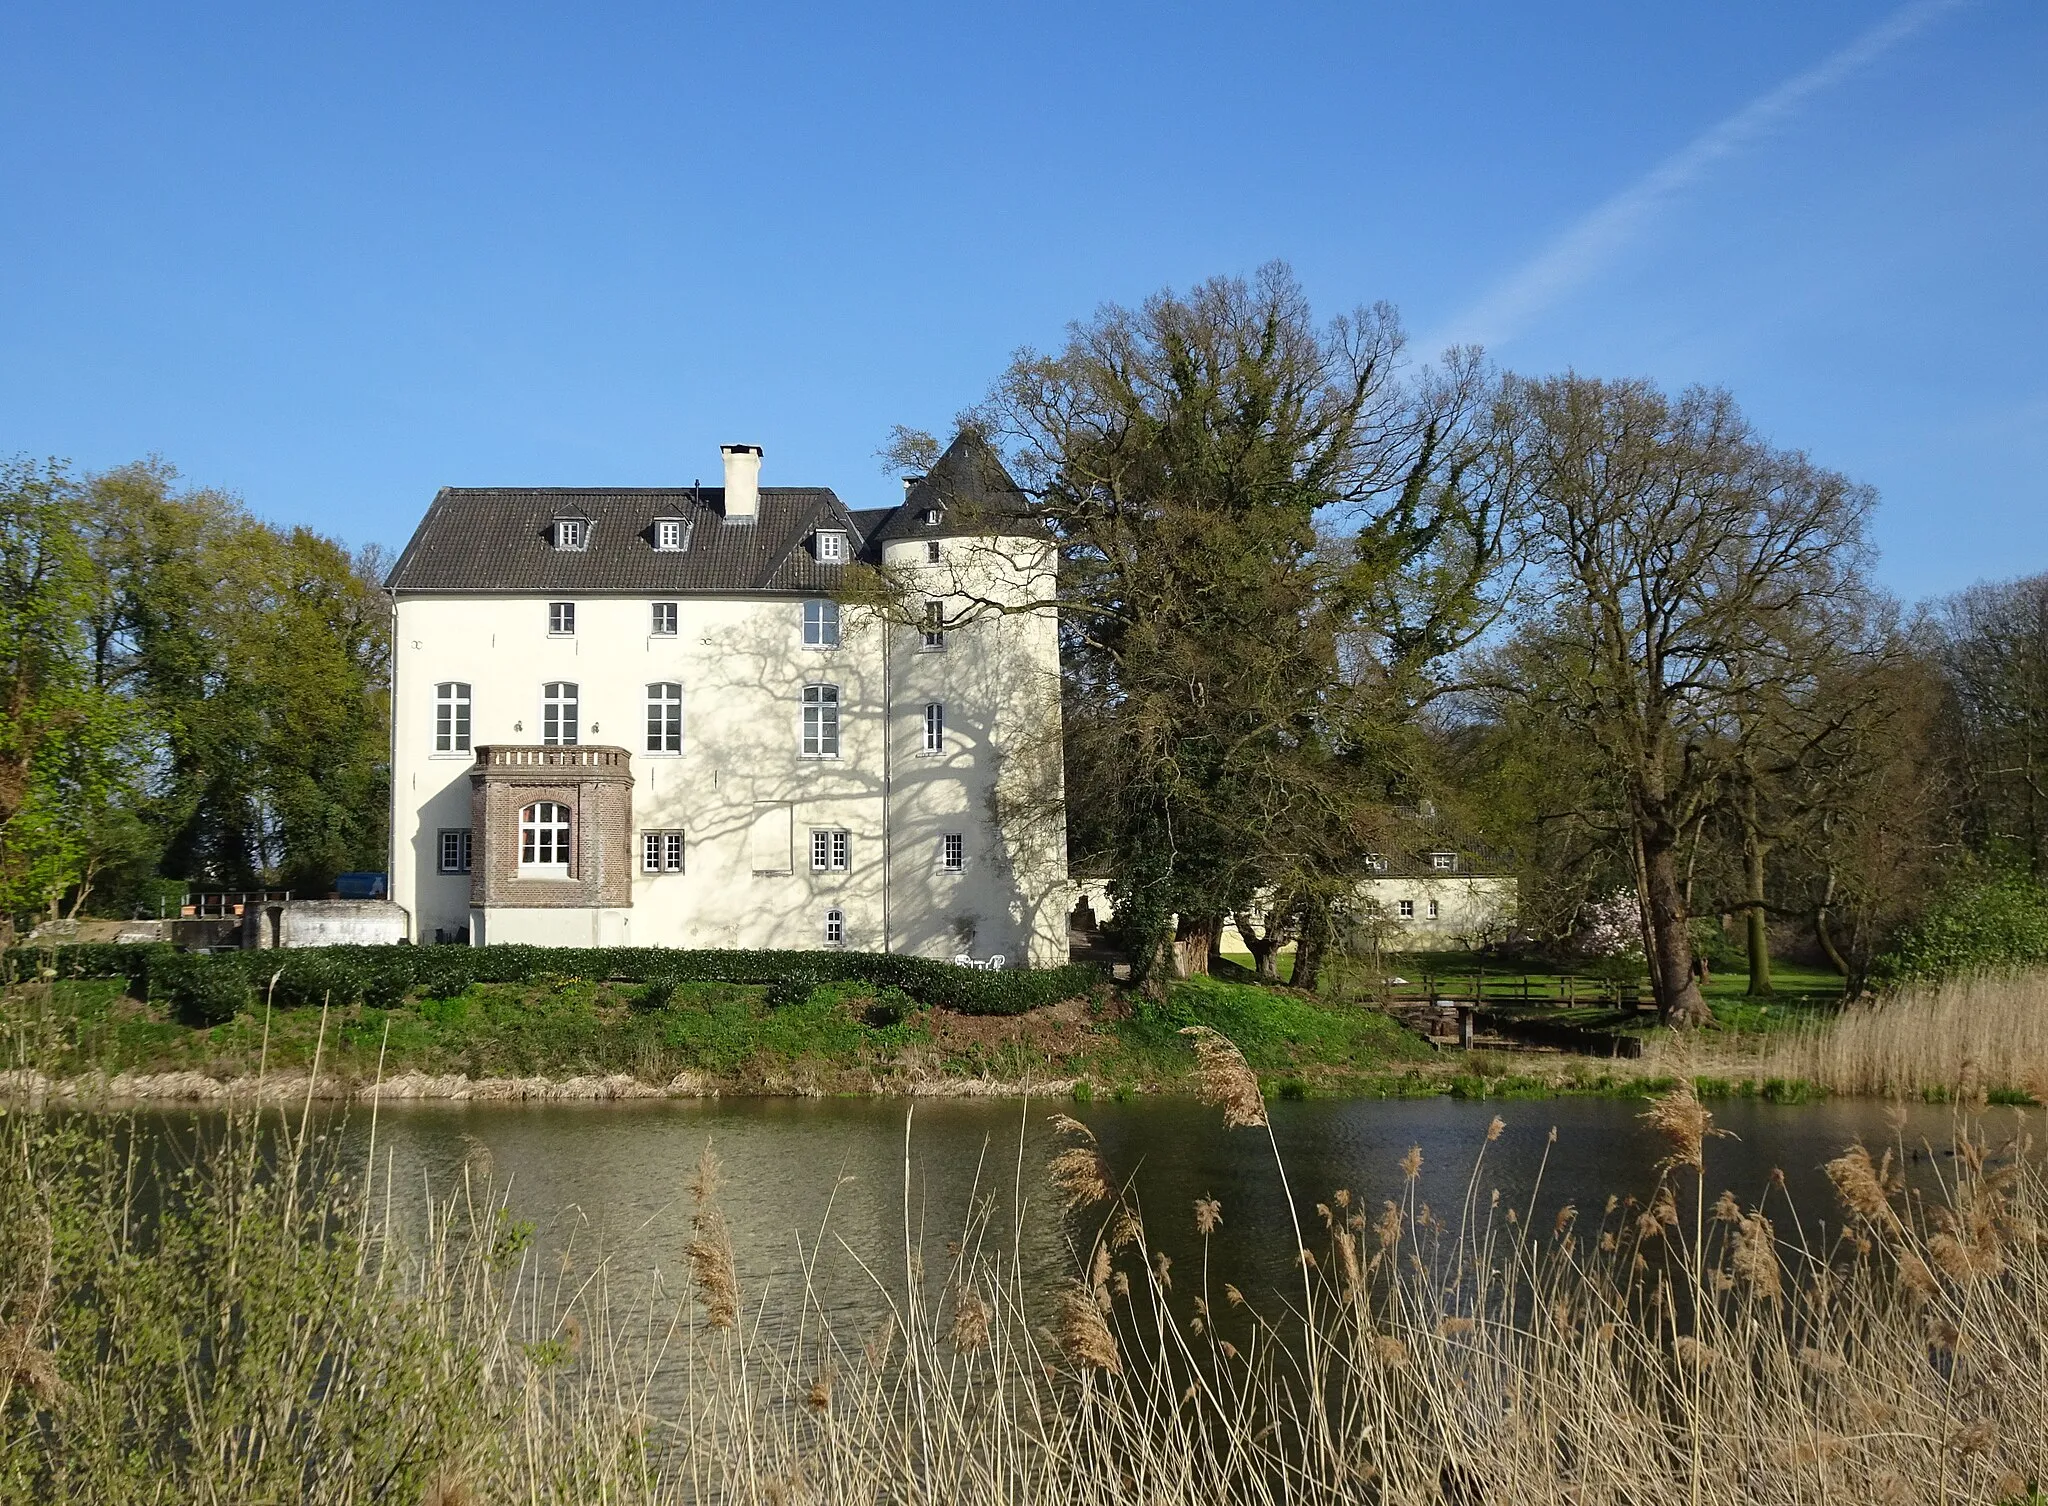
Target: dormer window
[[932, 517], [668, 533], [831, 546], [572, 533], [1443, 862]]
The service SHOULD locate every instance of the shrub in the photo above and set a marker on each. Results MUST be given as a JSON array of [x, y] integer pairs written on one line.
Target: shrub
[[200, 990], [1975, 925]]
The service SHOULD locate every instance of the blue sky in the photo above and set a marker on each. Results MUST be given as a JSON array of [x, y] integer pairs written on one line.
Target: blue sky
[[334, 262]]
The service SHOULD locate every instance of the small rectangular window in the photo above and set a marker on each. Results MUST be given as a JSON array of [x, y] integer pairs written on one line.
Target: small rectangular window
[[821, 624], [831, 546], [561, 618], [931, 552], [1443, 862], [569, 533], [455, 850], [668, 533], [935, 728], [664, 717], [934, 625], [952, 852], [835, 927], [663, 624], [830, 850], [661, 852], [1433, 911], [933, 517], [1407, 907], [451, 717]]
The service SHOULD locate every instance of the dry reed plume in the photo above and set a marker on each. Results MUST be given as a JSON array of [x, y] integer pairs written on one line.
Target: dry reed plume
[[1700, 1348]]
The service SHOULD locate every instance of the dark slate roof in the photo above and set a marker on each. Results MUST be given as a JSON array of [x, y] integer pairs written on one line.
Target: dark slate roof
[[497, 538], [970, 489]]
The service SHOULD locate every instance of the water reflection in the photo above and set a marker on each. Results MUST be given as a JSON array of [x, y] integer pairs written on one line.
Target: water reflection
[[613, 1178]]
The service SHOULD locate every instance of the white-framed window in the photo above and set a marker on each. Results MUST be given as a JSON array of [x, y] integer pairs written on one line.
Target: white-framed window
[[662, 623], [451, 717], [1434, 912], [664, 717], [572, 533], [1443, 862], [668, 533], [561, 619], [831, 850], [821, 721], [1407, 909], [933, 517], [835, 927], [454, 855], [931, 552], [935, 727], [821, 624], [558, 713], [661, 852], [544, 839], [1375, 862], [934, 624], [952, 852], [831, 545]]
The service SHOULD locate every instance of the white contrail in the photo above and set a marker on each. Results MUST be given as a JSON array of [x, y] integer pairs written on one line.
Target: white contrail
[[1595, 240]]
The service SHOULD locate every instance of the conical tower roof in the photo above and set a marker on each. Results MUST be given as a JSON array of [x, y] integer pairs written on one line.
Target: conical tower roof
[[967, 491]]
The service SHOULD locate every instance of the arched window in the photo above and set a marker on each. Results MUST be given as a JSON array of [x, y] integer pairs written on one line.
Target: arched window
[[665, 717], [558, 704], [544, 839], [835, 927], [821, 721]]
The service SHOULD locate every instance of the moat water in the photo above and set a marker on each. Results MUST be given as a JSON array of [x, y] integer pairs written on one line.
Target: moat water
[[841, 1183]]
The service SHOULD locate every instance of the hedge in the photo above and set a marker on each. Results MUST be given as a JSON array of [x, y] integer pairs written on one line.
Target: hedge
[[208, 987]]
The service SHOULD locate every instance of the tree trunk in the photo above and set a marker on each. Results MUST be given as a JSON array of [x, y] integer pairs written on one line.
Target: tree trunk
[[1822, 933], [1756, 923], [1679, 998], [1265, 949], [1312, 946]]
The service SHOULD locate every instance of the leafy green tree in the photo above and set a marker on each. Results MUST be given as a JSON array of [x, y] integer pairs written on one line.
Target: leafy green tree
[[64, 758], [1267, 540], [257, 660]]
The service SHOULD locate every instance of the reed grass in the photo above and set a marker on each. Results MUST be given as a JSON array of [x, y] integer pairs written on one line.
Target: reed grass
[[257, 1319], [1960, 1039]]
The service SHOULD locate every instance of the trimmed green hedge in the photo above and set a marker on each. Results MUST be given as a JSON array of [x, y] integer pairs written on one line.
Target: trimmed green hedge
[[209, 987]]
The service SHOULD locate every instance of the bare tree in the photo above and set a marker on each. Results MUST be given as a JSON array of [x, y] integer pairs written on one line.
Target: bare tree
[[1992, 644], [1682, 564]]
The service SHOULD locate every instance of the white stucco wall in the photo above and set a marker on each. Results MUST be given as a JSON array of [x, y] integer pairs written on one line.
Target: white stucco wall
[[742, 665]]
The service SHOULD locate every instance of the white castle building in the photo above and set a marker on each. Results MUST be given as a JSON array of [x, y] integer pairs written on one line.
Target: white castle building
[[644, 717]]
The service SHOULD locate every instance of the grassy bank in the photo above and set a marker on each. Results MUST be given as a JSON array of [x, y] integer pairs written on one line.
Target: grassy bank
[[840, 1038], [255, 1322]]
